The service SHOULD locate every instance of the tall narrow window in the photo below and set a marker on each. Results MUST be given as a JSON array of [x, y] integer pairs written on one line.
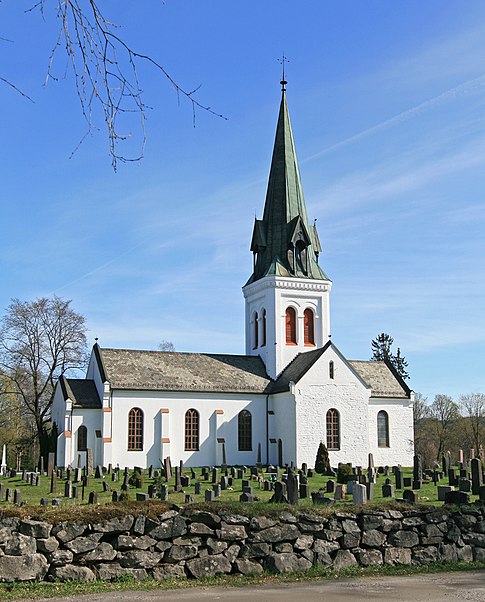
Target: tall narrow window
[[82, 438], [263, 329], [135, 430], [290, 326], [331, 370], [255, 330], [308, 327], [245, 431], [333, 429], [191, 430], [382, 429]]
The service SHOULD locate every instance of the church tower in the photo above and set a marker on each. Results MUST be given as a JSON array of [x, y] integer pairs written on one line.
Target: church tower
[[287, 295]]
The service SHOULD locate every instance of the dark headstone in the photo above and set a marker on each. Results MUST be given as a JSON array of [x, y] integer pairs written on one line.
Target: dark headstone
[[330, 486], [481, 493], [93, 497], [224, 461], [407, 481], [216, 488], [51, 458], [370, 491], [399, 478], [388, 490], [106, 486], [292, 488], [185, 481], [8, 495], [279, 496], [209, 495], [465, 485], [304, 491], [44, 501], [457, 497], [258, 460], [56, 501], [99, 472], [89, 461], [16, 497], [68, 489], [452, 480], [150, 471], [116, 496], [240, 473], [198, 488], [189, 498], [477, 476], [53, 481], [214, 475], [75, 492], [168, 468], [246, 498], [409, 496], [141, 497], [164, 493], [223, 483]]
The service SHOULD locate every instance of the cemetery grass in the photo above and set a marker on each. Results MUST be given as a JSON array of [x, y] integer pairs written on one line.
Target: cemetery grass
[[32, 591], [68, 508]]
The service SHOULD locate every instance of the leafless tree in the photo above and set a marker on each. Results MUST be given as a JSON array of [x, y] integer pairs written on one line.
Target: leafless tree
[[40, 340], [445, 414], [166, 346], [473, 410], [105, 69]]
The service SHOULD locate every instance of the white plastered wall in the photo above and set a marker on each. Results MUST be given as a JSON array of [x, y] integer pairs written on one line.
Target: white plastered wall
[[275, 294], [315, 394], [164, 425], [401, 432], [282, 420]]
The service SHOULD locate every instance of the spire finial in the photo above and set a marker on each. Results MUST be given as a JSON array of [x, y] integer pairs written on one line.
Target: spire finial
[[282, 61]]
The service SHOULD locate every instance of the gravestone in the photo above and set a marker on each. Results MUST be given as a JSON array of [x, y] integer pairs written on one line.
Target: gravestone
[[178, 484], [304, 468], [193, 474], [407, 481], [116, 496], [472, 453], [209, 495], [150, 471], [216, 488], [53, 481], [443, 490], [51, 458], [398, 477], [37, 480], [152, 491], [240, 473], [93, 497], [417, 472], [371, 469], [141, 497], [68, 489], [481, 493], [341, 491], [189, 498], [224, 461], [330, 486], [370, 491], [110, 468], [99, 472], [452, 480], [258, 460], [164, 493], [477, 477], [168, 468], [457, 497], [248, 489], [16, 497], [77, 475], [319, 498], [8, 495], [246, 498], [254, 471], [106, 486], [359, 495], [198, 488], [44, 501], [41, 467], [56, 501], [114, 477], [223, 483], [185, 481], [409, 496], [460, 456], [75, 492], [214, 475], [292, 488], [465, 485], [89, 461], [304, 489], [2, 491], [388, 490], [279, 496]]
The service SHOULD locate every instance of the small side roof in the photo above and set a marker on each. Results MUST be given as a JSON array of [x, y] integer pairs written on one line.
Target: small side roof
[[81, 392], [172, 371]]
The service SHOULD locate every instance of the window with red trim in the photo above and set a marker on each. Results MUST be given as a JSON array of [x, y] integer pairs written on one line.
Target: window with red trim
[[290, 326], [135, 430], [191, 430], [333, 429], [308, 327]]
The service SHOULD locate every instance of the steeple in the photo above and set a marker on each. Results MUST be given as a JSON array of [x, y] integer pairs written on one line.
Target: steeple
[[283, 242], [288, 295]]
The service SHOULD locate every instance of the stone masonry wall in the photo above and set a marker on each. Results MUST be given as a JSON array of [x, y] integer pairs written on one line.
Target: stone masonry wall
[[194, 543]]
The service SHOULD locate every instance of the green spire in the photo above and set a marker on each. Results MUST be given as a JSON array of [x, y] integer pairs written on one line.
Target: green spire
[[283, 243]]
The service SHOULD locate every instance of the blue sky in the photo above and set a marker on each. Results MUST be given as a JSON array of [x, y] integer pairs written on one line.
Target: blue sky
[[387, 102]]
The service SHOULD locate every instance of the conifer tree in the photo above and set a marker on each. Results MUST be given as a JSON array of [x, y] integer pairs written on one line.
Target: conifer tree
[[382, 351], [322, 461]]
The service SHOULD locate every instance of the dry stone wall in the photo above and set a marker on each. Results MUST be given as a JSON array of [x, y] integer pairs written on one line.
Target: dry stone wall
[[194, 543]]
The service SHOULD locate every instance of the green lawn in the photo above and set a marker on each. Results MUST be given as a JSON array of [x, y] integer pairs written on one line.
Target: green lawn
[[31, 495]]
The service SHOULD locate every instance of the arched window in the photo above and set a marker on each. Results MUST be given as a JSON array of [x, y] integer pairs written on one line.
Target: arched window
[[135, 430], [333, 429], [82, 438], [308, 327], [191, 430], [382, 429], [245, 431], [331, 370], [290, 326], [263, 329], [255, 330]]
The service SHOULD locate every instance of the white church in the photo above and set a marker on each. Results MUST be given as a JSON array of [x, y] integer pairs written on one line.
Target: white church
[[292, 389]]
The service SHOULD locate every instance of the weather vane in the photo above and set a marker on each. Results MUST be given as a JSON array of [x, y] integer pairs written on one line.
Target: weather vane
[[282, 62]]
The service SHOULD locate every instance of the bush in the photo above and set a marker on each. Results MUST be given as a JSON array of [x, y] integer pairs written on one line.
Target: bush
[[136, 476], [322, 462], [344, 471]]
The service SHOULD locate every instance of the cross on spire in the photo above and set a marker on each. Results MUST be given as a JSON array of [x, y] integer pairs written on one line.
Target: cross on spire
[[282, 61]]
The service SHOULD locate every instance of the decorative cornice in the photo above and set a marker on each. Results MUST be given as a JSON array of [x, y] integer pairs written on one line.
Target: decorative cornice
[[302, 284]]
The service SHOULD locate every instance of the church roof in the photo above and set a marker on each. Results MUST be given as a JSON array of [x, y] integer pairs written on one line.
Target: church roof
[[284, 212], [382, 378], [81, 392], [171, 371]]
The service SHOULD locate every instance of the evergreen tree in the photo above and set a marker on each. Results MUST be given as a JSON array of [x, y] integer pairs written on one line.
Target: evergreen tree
[[381, 347], [322, 461], [382, 350]]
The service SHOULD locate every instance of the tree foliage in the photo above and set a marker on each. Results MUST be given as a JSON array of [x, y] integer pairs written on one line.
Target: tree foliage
[[322, 461], [382, 351], [40, 340], [473, 408], [105, 70], [166, 346]]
